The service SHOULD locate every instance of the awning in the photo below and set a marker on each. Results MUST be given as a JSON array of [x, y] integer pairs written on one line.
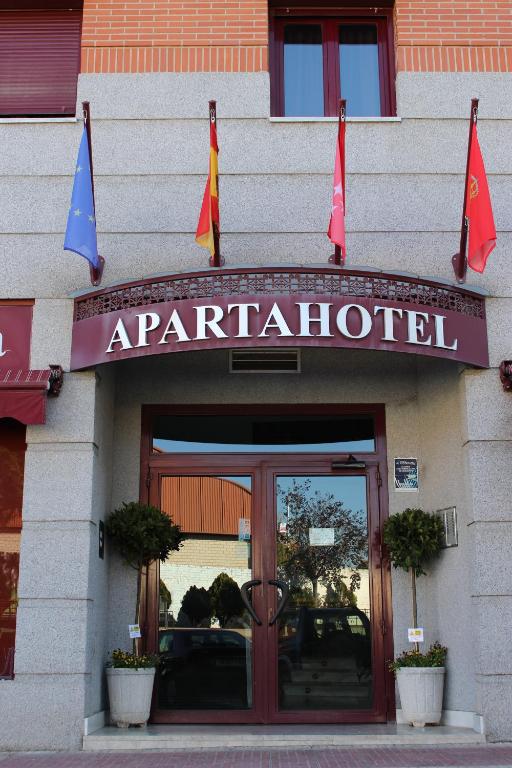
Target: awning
[[23, 393]]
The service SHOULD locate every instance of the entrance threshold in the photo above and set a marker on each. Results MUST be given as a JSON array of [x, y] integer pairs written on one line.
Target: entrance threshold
[[202, 737]]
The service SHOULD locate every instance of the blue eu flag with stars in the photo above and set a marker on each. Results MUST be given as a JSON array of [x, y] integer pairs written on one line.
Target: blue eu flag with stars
[[81, 228]]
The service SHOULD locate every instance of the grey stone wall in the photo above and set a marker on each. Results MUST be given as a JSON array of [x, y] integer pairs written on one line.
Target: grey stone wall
[[404, 197]]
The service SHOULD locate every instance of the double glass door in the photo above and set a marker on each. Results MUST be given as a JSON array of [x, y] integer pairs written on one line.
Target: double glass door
[[273, 609]]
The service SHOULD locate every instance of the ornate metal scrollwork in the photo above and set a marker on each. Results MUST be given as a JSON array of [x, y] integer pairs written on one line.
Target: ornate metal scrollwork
[[280, 281]]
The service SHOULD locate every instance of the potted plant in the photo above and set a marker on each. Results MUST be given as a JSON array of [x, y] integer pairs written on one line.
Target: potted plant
[[142, 534], [413, 538]]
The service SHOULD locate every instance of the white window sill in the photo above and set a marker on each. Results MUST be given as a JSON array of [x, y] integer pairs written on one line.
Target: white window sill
[[38, 120], [334, 119]]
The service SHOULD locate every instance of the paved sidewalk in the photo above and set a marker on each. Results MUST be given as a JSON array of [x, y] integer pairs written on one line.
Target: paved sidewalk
[[485, 756]]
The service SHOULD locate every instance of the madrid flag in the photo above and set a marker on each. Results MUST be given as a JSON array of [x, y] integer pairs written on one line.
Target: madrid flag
[[209, 216], [336, 231], [482, 232]]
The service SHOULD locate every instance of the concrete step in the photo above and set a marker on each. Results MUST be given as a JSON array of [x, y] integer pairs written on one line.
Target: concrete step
[[204, 737]]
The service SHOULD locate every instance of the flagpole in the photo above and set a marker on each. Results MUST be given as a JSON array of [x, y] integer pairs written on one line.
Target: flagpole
[[459, 260], [342, 111], [216, 260], [95, 272]]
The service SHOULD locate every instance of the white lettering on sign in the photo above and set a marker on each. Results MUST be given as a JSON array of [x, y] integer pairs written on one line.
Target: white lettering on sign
[[212, 324], [365, 319], [174, 326], [387, 312], [243, 318], [305, 319], [120, 336], [439, 324], [308, 319], [275, 319], [148, 321], [416, 327], [2, 350]]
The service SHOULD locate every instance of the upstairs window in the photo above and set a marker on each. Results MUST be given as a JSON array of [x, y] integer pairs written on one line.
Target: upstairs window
[[316, 60], [39, 57]]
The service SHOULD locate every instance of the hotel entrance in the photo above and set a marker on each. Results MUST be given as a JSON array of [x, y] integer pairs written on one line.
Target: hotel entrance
[[276, 609]]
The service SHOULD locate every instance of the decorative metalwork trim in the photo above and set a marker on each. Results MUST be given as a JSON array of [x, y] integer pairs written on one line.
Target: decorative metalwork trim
[[279, 281], [506, 375]]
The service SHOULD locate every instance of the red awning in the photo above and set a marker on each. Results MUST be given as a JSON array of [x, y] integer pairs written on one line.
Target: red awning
[[23, 393]]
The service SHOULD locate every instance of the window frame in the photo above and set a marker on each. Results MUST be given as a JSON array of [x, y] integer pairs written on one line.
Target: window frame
[[330, 19]]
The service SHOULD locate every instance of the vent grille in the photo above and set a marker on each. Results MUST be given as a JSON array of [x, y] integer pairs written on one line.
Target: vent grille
[[264, 361], [449, 518]]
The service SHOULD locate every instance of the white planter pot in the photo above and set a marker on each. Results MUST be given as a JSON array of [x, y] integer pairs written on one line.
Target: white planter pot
[[129, 693], [421, 694]]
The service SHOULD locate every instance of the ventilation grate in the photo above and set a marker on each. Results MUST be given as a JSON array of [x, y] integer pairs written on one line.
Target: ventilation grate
[[449, 518], [264, 361]]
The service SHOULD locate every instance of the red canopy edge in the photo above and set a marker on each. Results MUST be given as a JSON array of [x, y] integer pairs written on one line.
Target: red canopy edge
[[23, 393]]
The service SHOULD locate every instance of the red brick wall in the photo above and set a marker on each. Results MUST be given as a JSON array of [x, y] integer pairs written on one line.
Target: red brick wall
[[175, 36], [453, 35], [232, 35]]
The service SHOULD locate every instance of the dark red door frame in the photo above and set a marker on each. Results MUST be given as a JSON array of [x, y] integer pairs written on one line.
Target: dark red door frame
[[261, 467]]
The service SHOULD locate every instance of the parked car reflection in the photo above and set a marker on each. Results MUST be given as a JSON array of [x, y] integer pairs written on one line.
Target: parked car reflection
[[204, 668], [324, 658]]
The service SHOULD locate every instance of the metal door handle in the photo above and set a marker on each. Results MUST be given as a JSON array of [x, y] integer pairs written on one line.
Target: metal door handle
[[283, 586], [244, 594]]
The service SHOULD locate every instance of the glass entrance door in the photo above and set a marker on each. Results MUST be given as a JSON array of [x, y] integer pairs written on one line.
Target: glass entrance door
[[274, 610], [323, 636]]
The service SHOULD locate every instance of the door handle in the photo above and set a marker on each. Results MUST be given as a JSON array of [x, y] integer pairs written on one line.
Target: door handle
[[285, 592], [244, 594]]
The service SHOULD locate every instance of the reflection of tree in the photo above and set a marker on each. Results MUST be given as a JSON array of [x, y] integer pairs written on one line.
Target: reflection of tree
[[225, 598], [196, 608], [338, 595], [299, 562]]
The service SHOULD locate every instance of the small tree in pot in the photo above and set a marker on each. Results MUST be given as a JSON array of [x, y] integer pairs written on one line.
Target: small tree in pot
[[142, 534], [413, 538]]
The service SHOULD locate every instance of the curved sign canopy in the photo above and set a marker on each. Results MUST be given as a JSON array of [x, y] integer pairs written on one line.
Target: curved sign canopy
[[279, 307]]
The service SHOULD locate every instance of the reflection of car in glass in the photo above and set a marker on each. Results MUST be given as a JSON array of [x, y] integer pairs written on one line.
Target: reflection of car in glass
[[203, 668], [324, 655]]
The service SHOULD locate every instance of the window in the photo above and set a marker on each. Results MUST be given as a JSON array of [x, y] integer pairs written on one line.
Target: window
[[316, 60], [39, 57]]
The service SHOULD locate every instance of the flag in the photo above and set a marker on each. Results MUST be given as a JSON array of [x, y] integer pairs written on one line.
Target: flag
[[482, 232], [81, 227], [336, 231], [209, 215]]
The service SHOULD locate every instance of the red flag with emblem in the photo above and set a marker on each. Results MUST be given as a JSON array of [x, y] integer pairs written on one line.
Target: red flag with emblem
[[482, 232]]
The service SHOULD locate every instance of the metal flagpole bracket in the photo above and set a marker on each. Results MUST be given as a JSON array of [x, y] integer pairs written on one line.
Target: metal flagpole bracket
[[337, 257], [460, 260], [96, 273]]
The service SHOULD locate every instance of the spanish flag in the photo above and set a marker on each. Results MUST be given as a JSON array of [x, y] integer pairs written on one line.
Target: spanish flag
[[209, 216]]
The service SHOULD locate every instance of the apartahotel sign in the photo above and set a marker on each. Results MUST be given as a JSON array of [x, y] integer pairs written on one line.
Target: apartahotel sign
[[226, 309]]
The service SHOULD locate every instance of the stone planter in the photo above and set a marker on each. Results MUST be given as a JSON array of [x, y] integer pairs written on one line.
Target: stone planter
[[421, 694], [129, 693]]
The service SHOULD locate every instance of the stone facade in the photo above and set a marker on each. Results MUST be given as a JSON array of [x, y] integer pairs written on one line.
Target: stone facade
[[405, 180]]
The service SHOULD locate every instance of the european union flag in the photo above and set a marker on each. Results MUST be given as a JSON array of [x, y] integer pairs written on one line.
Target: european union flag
[[81, 228]]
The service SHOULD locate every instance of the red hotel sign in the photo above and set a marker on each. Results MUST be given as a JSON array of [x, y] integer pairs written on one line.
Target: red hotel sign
[[15, 332], [270, 308]]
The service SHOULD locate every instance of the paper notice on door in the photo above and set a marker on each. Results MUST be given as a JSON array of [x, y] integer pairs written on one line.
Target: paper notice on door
[[321, 537], [134, 630], [415, 634], [244, 529]]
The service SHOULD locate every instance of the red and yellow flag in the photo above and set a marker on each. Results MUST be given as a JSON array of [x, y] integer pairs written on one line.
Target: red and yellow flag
[[482, 232], [209, 216]]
